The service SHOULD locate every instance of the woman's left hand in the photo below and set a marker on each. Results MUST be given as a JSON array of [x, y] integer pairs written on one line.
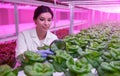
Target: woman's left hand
[[45, 53]]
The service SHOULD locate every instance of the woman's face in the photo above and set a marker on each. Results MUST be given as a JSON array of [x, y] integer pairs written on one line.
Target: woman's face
[[43, 21]]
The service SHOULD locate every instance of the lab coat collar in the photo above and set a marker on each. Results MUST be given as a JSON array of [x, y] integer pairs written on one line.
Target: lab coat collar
[[36, 39], [47, 38]]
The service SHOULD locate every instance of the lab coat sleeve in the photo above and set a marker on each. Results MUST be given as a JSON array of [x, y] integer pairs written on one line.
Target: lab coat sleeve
[[21, 44]]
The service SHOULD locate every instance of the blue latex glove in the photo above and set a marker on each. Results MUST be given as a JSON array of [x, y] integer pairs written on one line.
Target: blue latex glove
[[44, 53]]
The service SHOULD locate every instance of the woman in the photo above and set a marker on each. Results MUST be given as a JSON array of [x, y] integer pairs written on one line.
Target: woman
[[39, 36]]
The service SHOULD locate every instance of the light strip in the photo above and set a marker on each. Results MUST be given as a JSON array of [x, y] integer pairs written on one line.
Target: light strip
[[35, 3], [95, 2]]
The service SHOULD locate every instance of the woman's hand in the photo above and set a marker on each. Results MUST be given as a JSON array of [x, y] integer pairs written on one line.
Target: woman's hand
[[44, 53]]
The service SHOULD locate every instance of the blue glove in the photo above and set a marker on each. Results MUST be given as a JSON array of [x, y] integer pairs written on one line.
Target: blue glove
[[44, 53]]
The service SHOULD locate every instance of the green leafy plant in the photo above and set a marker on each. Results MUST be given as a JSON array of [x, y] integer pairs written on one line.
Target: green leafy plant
[[109, 69], [39, 69], [6, 70], [78, 68]]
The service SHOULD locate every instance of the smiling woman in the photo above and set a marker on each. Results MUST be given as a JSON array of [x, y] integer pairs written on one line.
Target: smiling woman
[[38, 36]]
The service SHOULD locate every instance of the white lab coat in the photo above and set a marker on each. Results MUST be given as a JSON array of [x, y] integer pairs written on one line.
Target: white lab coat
[[29, 41]]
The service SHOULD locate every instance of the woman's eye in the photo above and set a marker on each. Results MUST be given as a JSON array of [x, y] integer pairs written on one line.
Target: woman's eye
[[41, 19], [49, 19]]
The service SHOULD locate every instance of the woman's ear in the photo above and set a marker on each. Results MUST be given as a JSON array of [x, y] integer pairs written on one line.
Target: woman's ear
[[35, 21]]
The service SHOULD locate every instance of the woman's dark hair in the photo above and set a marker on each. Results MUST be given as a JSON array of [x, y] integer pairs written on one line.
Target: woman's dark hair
[[42, 9]]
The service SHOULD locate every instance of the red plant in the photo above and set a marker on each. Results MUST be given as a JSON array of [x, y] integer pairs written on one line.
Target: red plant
[[7, 53], [61, 33]]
